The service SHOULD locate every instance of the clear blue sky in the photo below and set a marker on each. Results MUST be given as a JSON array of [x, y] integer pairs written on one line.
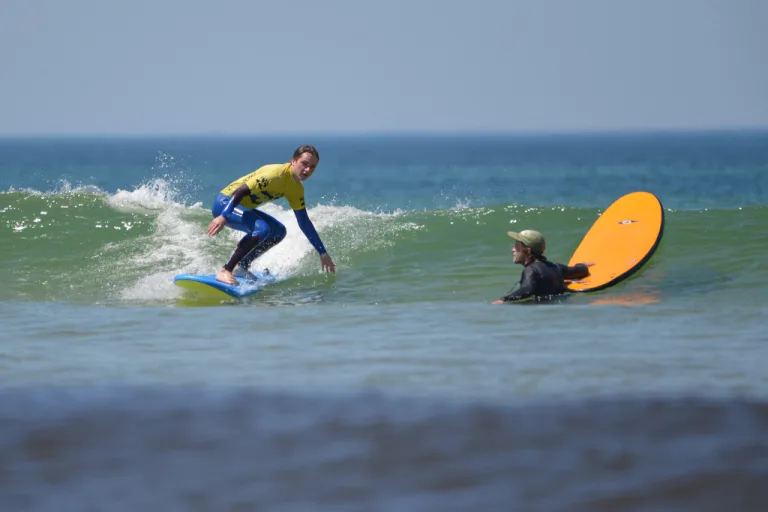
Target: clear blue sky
[[231, 66]]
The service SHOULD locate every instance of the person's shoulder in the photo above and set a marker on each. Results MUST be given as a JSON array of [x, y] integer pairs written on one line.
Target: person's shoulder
[[278, 168]]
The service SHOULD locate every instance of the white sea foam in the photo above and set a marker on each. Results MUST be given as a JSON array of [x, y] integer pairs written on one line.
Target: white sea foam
[[179, 243]]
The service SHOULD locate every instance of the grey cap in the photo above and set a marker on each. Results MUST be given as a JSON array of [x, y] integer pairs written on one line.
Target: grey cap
[[531, 239]]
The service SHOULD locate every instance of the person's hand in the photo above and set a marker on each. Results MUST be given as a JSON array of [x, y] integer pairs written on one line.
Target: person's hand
[[590, 264], [327, 263], [216, 225], [498, 302]]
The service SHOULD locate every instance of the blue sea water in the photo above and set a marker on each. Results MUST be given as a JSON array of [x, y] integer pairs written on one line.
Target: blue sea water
[[393, 384]]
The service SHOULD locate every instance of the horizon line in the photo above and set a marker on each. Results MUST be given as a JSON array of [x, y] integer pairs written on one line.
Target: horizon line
[[375, 133]]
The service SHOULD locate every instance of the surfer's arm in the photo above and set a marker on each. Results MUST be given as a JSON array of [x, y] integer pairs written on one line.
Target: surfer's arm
[[237, 196], [309, 230], [525, 288], [218, 223], [577, 271]]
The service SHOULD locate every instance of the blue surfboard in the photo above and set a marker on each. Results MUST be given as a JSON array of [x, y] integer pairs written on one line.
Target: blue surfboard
[[208, 285]]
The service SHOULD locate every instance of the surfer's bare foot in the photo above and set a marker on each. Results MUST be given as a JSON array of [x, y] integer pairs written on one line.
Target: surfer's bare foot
[[225, 276]]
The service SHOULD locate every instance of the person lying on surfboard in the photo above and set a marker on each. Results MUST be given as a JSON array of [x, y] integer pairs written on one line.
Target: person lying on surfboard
[[235, 206], [541, 279]]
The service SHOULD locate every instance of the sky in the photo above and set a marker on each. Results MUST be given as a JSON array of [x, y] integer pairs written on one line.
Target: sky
[[80, 67]]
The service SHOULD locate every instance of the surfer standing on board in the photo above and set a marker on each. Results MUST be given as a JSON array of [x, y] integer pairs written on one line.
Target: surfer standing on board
[[236, 206], [541, 279]]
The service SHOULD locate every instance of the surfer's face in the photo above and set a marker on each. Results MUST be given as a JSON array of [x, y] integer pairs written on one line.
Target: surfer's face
[[303, 167], [520, 252]]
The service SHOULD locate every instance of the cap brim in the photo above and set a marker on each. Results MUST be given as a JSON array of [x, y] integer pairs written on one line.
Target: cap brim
[[514, 235]]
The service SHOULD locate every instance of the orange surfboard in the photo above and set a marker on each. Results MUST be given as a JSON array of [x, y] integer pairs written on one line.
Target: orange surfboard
[[620, 241]]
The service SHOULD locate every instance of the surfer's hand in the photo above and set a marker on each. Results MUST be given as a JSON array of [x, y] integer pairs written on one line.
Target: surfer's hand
[[327, 263], [216, 225], [590, 264], [498, 302]]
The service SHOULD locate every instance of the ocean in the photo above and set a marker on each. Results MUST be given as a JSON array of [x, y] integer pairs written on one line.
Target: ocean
[[393, 384]]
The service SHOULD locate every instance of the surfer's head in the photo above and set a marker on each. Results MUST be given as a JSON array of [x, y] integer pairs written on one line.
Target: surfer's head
[[304, 162], [528, 244]]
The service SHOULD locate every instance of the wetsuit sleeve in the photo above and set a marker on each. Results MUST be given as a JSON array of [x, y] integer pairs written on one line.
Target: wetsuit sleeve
[[525, 288], [238, 196], [577, 271], [309, 230]]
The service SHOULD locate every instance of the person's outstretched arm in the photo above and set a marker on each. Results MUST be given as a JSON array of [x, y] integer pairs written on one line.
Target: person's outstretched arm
[[577, 271], [311, 233]]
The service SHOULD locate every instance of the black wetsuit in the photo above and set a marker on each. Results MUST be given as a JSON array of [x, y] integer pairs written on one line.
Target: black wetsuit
[[543, 280]]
